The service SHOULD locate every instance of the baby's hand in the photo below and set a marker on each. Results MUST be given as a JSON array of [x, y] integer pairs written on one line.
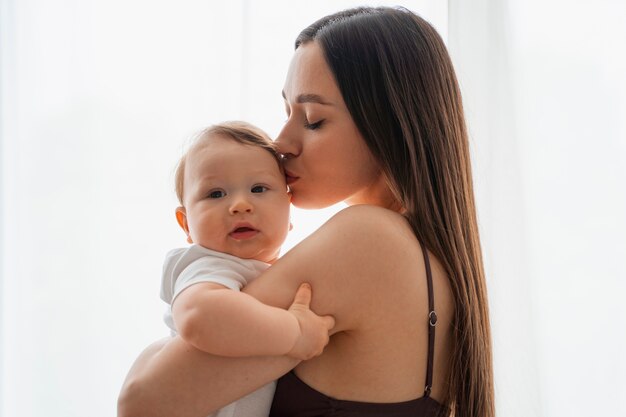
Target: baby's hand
[[313, 328]]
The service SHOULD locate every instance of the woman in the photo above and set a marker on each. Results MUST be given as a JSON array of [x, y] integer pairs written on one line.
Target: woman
[[374, 119]]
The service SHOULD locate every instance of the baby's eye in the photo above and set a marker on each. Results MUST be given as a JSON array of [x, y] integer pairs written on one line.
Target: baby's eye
[[217, 194], [259, 189]]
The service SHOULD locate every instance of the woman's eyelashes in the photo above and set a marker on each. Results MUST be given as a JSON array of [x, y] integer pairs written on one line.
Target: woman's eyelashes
[[313, 126], [307, 125]]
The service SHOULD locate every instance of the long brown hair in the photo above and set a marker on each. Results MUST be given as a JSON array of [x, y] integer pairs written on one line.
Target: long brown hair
[[397, 80]]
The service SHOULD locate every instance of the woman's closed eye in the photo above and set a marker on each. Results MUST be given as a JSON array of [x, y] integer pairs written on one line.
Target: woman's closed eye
[[314, 125]]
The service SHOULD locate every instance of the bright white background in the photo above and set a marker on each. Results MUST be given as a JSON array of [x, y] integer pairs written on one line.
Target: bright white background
[[97, 99]]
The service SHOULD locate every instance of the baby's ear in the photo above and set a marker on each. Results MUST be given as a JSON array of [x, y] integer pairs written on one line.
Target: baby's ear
[[181, 218]]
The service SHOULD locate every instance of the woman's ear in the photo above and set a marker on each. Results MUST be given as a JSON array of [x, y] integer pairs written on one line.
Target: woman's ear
[[181, 218]]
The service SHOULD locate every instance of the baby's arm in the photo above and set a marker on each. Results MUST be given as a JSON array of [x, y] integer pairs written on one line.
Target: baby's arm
[[218, 320]]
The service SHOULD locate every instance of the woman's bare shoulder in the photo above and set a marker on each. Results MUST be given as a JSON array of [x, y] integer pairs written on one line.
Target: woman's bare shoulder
[[365, 212], [367, 219], [370, 230], [348, 261]]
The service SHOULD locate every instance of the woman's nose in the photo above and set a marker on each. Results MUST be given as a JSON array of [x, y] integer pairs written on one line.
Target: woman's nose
[[286, 142], [240, 205]]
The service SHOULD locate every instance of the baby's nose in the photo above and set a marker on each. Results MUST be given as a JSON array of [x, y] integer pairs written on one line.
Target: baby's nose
[[241, 205]]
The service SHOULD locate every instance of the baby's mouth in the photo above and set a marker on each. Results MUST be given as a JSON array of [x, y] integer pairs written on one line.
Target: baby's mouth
[[243, 232]]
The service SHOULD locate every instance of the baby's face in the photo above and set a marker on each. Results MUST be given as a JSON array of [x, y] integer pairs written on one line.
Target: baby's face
[[236, 200]]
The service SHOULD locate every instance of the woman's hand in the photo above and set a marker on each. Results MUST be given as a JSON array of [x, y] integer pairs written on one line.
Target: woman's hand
[[314, 329]]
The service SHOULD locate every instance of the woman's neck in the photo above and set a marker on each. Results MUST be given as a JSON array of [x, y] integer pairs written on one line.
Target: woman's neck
[[377, 194]]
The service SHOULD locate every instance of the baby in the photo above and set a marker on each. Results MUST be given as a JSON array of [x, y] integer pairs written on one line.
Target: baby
[[235, 212]]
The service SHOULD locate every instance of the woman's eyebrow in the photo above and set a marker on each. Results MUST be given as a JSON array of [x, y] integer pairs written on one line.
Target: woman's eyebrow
[[310, 98]]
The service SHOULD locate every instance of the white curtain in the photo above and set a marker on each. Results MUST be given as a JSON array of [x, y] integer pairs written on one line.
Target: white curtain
[[544, 86], [96, 101]]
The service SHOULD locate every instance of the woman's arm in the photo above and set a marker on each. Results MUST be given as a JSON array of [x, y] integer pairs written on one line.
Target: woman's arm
[[343, 261], [346, 262], [172, 378]]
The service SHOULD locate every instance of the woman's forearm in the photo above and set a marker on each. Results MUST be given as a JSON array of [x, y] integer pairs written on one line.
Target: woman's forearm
[[172, 378]]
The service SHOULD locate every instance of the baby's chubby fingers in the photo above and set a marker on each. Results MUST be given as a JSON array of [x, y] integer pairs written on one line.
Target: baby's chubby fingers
[[303, 299], [303, 296], [329, 321], [314, 329]]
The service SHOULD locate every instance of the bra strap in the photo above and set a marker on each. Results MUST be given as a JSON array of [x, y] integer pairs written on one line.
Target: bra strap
[[432, 321]]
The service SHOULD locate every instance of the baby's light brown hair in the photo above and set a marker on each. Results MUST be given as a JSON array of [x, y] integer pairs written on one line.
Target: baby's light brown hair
[[241, 132]]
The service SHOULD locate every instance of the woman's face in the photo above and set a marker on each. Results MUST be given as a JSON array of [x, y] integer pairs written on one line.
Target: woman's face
[[326, 159]]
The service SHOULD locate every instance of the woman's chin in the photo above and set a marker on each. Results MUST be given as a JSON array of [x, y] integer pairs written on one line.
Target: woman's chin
[[302, 202]]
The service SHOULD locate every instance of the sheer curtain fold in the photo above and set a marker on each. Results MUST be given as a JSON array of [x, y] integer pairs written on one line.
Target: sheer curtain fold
[[545, 99], [480, 44]]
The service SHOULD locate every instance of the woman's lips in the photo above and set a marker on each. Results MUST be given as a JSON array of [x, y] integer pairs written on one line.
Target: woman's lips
[[290, 178]]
